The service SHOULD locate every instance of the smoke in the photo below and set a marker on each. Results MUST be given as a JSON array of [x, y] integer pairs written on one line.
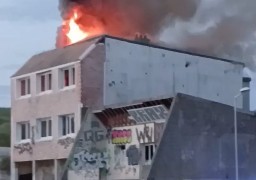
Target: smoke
[[222, 28]]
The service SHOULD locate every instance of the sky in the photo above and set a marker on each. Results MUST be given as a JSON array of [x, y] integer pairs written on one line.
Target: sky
[[29, 27]]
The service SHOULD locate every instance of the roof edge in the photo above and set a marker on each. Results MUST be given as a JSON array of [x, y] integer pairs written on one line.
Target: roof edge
[[155, 45]]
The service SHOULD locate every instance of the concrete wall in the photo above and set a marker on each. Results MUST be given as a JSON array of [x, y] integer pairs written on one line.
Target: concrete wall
[[44, 170], [111, 154], [92, 70], [198, 143], [134, 72], [90, 151], [55, 103], [126, 163]]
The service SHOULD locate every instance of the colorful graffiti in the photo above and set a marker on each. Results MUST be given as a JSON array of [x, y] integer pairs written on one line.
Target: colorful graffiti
[[146, 135], [121, 136]]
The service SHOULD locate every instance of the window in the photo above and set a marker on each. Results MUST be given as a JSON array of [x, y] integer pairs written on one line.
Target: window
[[67, 124], [45, 80], [23, 131], [44, 127], [24, 85], [149, 153], [68, 76]]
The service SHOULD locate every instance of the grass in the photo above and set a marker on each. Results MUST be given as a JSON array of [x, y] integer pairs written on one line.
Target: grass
[[5, 118]]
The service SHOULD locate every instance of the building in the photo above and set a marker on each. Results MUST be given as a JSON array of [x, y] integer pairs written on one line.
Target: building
[[51, 92], [202, 141], [194, 139]]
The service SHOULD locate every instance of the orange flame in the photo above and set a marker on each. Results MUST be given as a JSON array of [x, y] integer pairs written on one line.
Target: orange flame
[[75, 33]]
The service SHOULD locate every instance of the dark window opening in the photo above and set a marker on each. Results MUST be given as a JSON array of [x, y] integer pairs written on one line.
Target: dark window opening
[[23, 131], [50, 81], [42, 83], [50, 128], [122, 147], [73, 73], [72, 125], [64, 132], [43, 129], [147, 153], [66, 77]]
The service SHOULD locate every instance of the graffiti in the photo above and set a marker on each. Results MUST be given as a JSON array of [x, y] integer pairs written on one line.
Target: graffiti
[[66, 142], [133, 155], [90, 160], [91, 174], [95, 134], [121, 136], [24, 147], [119, 161], [159, 128], [145, 136], [149, 114]]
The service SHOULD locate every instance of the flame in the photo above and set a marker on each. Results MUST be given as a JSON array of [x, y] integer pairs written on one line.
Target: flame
[[75, 33]]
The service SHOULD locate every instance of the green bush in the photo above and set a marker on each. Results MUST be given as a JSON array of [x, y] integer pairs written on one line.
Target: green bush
[[5, 127]]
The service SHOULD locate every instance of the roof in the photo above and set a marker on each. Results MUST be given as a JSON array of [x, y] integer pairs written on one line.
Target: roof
[[55, 57], [165, 47], [198, 142], [72, 52]]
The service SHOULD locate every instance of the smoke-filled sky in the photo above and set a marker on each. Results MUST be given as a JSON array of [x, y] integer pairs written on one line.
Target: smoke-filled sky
[[221, 27]]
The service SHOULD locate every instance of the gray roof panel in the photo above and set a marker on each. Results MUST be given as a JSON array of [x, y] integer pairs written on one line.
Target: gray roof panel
[[55, 57]]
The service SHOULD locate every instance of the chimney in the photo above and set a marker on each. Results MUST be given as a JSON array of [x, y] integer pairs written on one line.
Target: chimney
[[246, 95]]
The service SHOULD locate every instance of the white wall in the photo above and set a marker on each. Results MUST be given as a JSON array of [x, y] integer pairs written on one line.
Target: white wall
[[119, 163], [55, 103], [134, 72]]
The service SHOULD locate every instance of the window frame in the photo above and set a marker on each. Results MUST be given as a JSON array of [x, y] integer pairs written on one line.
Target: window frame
[[48, 83], [68, 123], [27, 87], [27, 132], [151, 152], [48, 133], [71, 72]]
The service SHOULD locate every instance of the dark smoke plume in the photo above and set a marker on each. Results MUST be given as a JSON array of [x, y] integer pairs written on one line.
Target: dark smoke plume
[[222, 28]]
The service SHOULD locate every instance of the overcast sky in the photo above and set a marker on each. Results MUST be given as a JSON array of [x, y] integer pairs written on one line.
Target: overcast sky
[[29, 27]]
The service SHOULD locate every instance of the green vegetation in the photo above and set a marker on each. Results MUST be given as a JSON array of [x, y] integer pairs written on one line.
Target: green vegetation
[[5, 119]]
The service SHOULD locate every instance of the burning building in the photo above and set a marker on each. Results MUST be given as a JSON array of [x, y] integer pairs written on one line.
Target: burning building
[[86, 18], [110, 83]]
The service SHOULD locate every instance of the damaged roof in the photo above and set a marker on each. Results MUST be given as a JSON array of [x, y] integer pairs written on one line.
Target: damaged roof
[[72, 53]]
